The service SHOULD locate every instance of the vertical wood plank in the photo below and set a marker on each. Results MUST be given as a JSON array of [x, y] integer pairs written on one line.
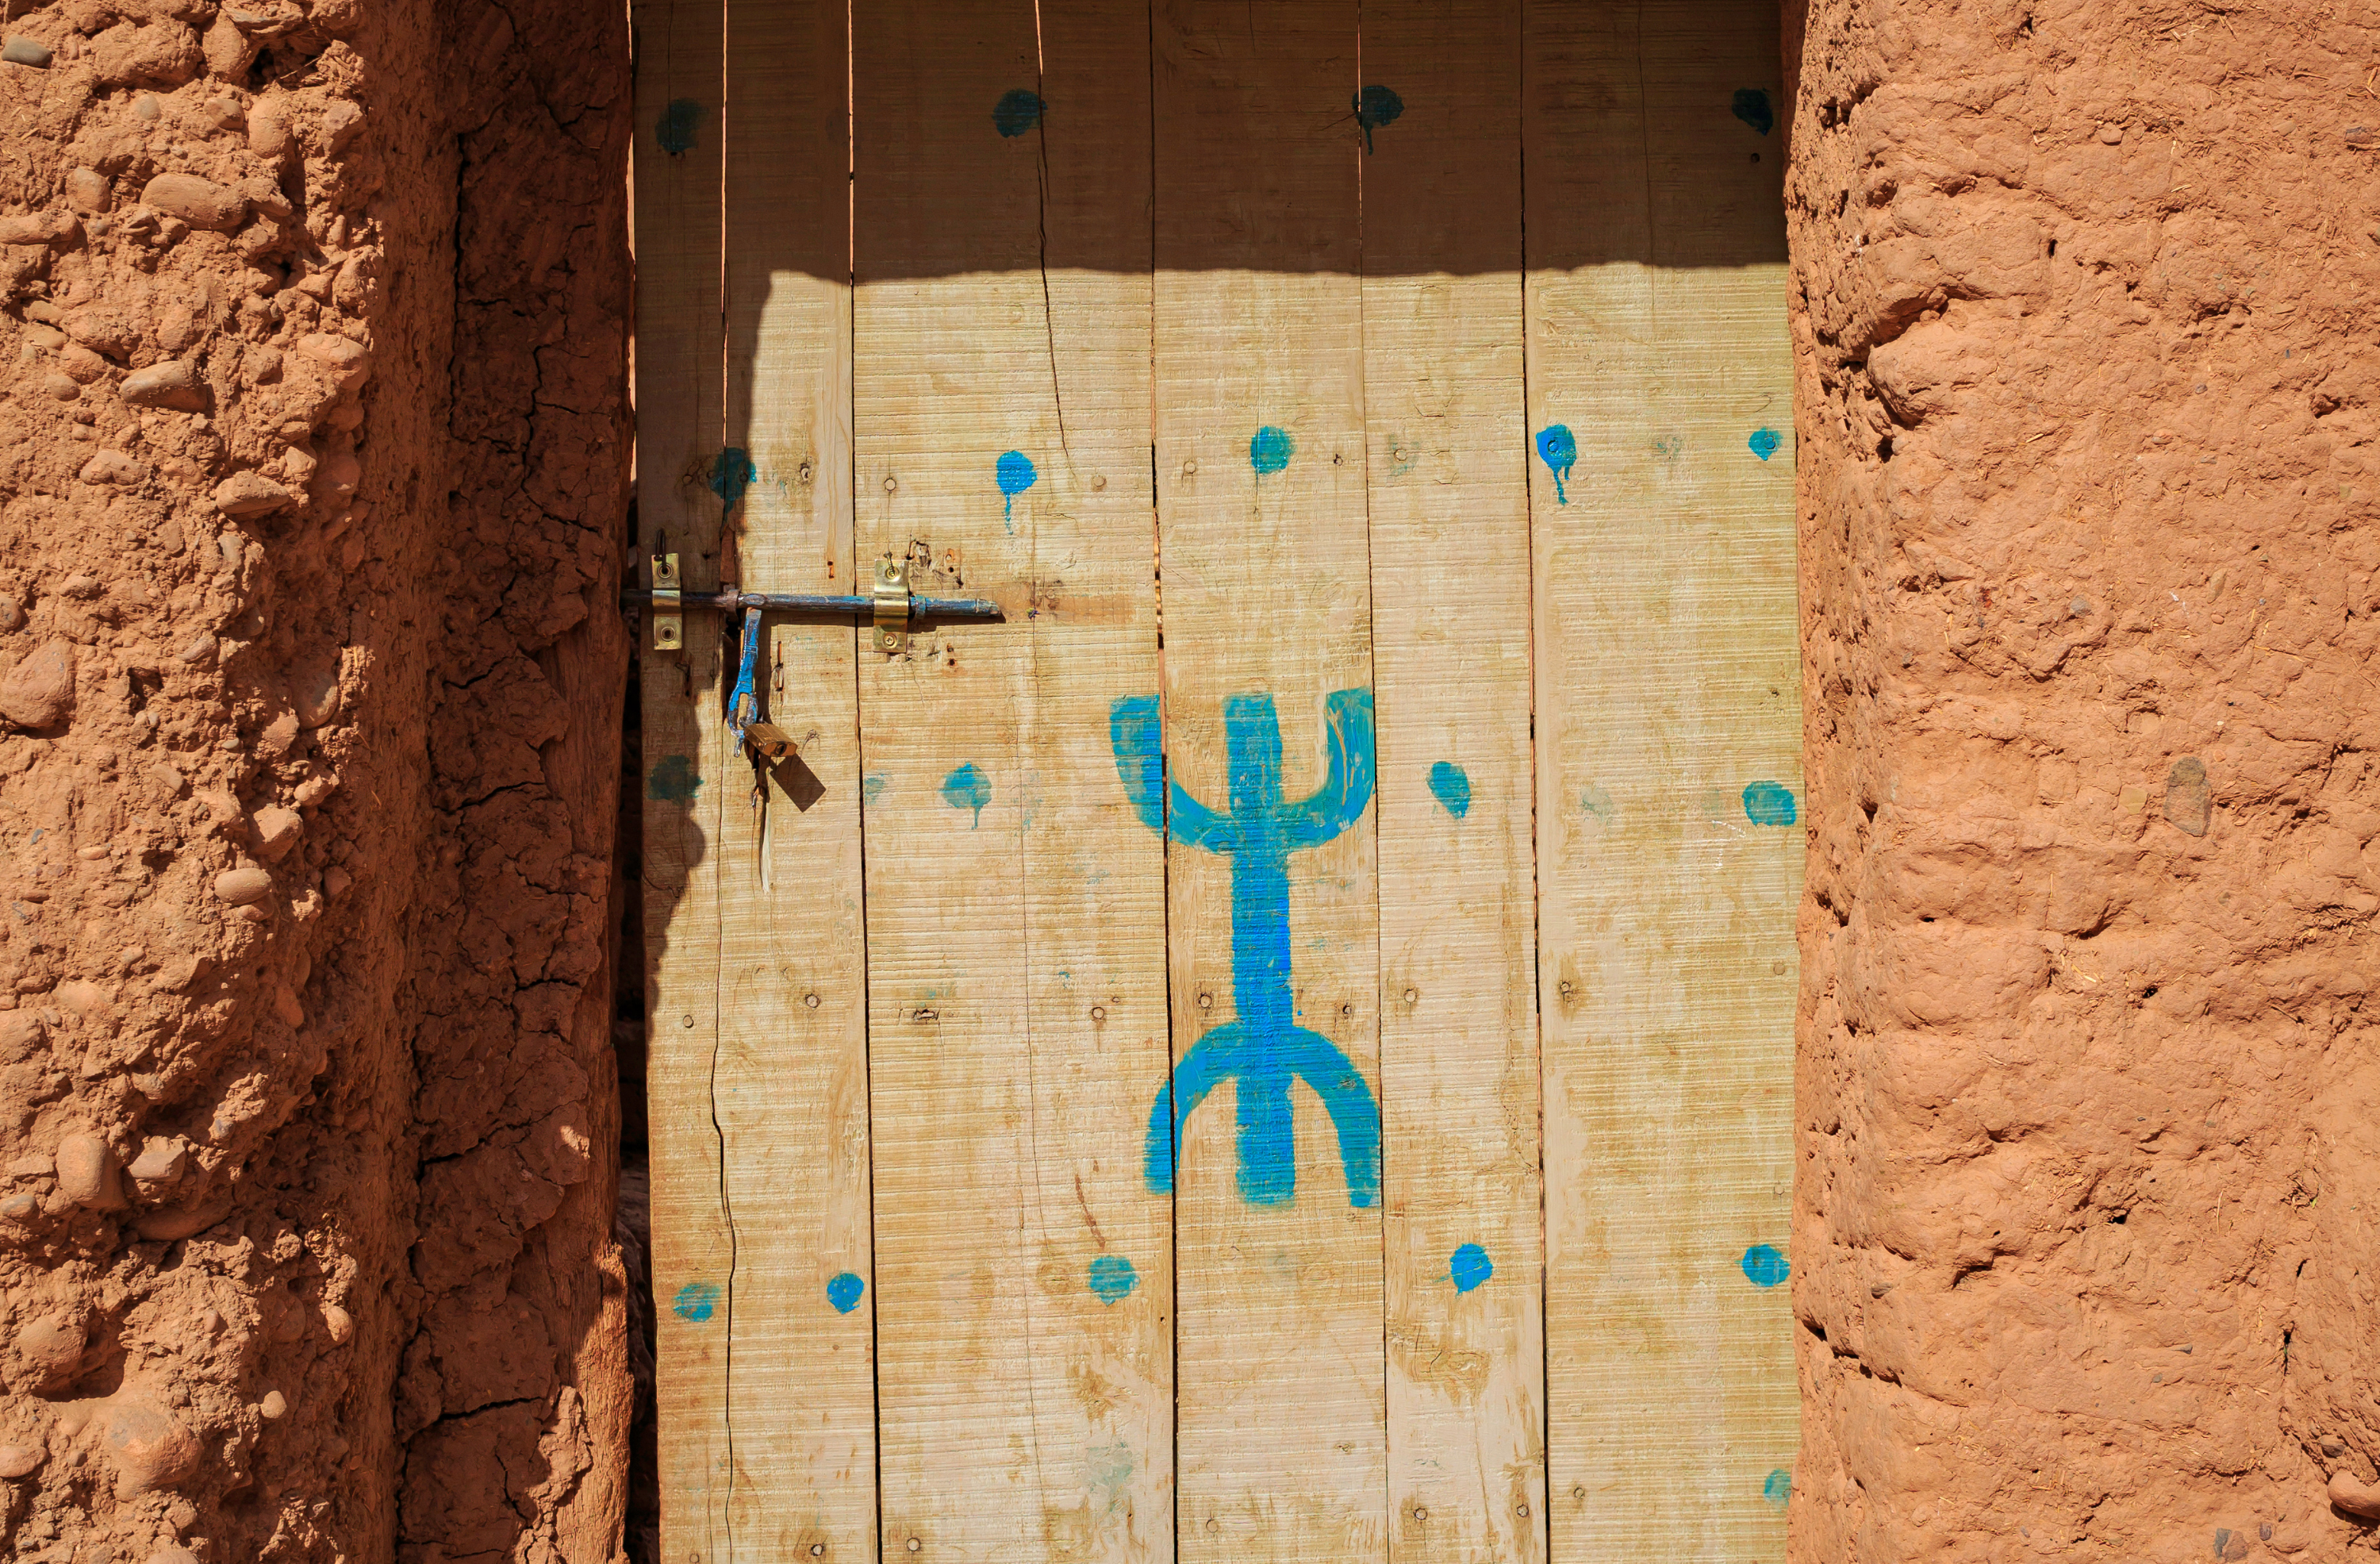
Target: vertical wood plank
[[676, 166], [1015, 905], [1450, 534], [790, 1089], [1669, 709], [1273, 901]]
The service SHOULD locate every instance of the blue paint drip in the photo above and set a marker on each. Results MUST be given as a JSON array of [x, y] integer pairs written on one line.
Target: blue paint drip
[[1453, 785], [1469, 1268], [1779, 1488], [696, 1301], [1018, 112], [1113, 1278], [674, 130], [1014, 474], [1767, 803], [1764, 442], [1376, 107], [1558, 450], [1750, 107], [1270, 449], [673, 779], [1764, 1266], [730, 474], [1263, 1048], [967, 787], [843, 1293]]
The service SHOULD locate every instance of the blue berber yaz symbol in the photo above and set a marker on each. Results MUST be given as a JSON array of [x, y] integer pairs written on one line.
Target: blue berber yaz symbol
[[1262, 1048]]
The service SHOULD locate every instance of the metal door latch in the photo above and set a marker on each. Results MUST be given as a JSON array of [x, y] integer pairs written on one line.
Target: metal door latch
[[888, 606]]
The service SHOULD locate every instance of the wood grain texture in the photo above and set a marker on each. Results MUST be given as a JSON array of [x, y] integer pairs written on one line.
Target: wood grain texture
[[789, 1093], [1015, 905], [677, 164], [1450, 536], [1667, 686], [1282, 1427]]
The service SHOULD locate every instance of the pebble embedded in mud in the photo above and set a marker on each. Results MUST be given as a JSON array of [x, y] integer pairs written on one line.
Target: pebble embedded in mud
[[38, 693], [244, 886], [87, 1172], [252, 493], [273, 1407], [20, 1460], [22, 50], [172, 383], [276, 830], [339, 1322], [201, 204], [150, 1449]]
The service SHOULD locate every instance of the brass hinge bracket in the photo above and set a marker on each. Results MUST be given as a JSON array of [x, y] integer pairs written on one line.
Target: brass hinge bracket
[[669, 617], [890, 597]]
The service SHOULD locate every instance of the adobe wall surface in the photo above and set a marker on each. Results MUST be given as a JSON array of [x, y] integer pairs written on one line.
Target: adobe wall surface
[[312, 456], [2084, 1255]]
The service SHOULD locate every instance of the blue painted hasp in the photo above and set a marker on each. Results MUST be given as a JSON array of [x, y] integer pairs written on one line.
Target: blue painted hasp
[[1263, 1049]]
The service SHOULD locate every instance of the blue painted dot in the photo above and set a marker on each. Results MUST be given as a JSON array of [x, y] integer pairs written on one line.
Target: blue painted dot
[[1750, 107], [1270, 449], [1768, 803], [1558, 448], [1779, 1488], [1376, 107], [730, 474], [872, 788], [1018, 112], [843, 1293], [967, 787], [1014, 473], [1453, 785], [1113, 1278], [1764, 1266], [674, 778], [1764, 442], [1597, 799], [674, 130], [695, 1301], [1469, 1266]]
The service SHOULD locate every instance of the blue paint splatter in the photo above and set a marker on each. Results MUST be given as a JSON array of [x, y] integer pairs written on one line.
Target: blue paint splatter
[[1469, 1268], [673, 779], [1018, 112], [1779, 1488], [843, 1293], [730, 474], [967, 787], [1113, 1278], [696, 1301], [1264, 1048], [1750, 107], [1014, 474], [872, 788], [1765, 441], [674, 130], [1453, 785], [1558, 450], [1597, 799], [1767, 803], [1376, 107], [1764, 1266], [1270, 449]]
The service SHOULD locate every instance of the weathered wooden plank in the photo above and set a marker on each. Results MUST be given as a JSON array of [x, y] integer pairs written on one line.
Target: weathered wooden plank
[[789, 1092], [677, 161], [1450, 533], [1268, 740], [1015, 904], [1669, 733]]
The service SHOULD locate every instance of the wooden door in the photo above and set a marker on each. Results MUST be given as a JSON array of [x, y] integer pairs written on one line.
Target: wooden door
[[1278, 1047]]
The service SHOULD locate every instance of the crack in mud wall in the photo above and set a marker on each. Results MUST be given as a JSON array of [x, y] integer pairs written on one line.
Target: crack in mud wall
[[311, 466], [2086, 369]]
